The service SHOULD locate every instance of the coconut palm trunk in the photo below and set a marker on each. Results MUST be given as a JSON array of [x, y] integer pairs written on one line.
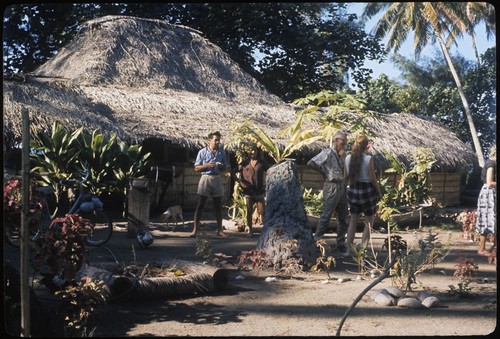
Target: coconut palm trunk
[[465, 103]]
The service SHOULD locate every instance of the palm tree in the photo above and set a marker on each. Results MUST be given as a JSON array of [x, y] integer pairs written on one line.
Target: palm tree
[[478, 12], [429, 22]]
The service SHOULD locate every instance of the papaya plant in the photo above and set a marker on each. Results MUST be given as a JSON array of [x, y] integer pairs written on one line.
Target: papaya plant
[[411, 189], [333, 111], [296, 139], [248, 133]]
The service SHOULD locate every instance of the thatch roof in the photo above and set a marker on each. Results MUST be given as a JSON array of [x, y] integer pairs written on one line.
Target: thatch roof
[[143, 78], [400, 134]]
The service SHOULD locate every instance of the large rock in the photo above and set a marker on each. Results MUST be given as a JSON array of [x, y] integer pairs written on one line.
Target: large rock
[[286, 236]]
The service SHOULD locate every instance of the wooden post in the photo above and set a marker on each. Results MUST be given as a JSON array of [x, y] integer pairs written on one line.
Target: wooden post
[[25, 246], [139, 202]]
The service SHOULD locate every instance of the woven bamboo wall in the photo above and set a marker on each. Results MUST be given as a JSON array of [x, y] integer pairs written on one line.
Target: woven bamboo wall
[[445, 187], [182, 191], [310, 178]]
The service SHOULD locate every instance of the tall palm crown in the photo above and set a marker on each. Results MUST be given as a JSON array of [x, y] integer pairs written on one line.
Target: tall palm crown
[[429, 21]]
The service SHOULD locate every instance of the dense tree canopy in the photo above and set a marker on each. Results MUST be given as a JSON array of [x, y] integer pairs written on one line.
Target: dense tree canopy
[[292, 48], [430, 91]]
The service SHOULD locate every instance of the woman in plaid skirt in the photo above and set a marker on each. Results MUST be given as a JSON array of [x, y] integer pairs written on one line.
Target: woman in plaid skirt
[[486, 223], [363, 191]]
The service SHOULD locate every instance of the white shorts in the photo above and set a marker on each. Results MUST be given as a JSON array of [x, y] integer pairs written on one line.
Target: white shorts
[[211, 186]]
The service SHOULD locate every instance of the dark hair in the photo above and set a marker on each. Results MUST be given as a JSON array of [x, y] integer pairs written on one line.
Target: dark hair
[[211, 134]]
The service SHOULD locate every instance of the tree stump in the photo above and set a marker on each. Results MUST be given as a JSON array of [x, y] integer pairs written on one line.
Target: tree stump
[[286, 235]]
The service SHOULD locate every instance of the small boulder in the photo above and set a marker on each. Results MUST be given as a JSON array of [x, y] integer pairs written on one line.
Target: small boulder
[[395, 292], [431, 302], [409, 303], [422, 295], [384, 299]]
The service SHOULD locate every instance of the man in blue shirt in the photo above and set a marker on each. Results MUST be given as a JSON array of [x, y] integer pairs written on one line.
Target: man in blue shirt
[[211, 161]]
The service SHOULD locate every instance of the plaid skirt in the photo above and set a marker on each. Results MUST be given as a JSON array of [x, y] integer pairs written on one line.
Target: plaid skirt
[[486, 222], [363, 197]]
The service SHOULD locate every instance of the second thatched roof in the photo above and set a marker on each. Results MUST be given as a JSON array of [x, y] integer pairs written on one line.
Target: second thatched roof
[[399, 134]]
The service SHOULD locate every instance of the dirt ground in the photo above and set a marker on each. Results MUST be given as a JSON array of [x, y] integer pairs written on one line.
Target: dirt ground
[[305, 304]]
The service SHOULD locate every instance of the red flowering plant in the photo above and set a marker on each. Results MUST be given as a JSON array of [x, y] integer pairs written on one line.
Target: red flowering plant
[[469, 225], [12, 196], [63, 252], [12, 203]]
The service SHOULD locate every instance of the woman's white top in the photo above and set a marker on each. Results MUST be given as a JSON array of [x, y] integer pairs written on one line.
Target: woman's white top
[[364, 175]]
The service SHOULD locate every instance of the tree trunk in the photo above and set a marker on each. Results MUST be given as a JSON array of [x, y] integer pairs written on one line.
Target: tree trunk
[[468, 114], [199, 279], [286, 236]]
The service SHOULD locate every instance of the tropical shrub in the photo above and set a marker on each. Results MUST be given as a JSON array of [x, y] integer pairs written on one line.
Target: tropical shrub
[[313, 202], [412, 188], [63, 252], [63, 155], [415, 259]]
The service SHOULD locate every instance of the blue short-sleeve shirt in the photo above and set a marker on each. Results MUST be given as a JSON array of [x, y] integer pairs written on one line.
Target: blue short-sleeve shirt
[[205, 156]]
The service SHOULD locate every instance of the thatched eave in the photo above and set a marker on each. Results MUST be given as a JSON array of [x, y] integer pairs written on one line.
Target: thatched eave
[[180, 117], [400, 134]]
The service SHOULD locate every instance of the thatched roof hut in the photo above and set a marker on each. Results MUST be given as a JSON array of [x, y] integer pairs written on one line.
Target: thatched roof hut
[[142, 78], [400, 134]]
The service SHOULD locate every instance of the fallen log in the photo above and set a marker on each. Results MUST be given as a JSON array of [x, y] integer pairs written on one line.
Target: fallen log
[[191, 279]]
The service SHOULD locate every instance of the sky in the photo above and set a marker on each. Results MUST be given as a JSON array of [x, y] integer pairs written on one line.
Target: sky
[[464, 46]]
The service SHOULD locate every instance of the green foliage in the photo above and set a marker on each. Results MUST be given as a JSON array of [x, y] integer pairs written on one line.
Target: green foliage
[[313, 202], [412, 188], [430, 91], [359, 255], [204, 245], [413, 260], [129, 162], [296, 139], [55, 156], [110, 162], [379, 95], [96, 156], [238, 209], [337, 116]]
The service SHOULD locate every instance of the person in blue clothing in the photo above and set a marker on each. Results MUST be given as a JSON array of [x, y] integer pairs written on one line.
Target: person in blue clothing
[[211, 161]]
